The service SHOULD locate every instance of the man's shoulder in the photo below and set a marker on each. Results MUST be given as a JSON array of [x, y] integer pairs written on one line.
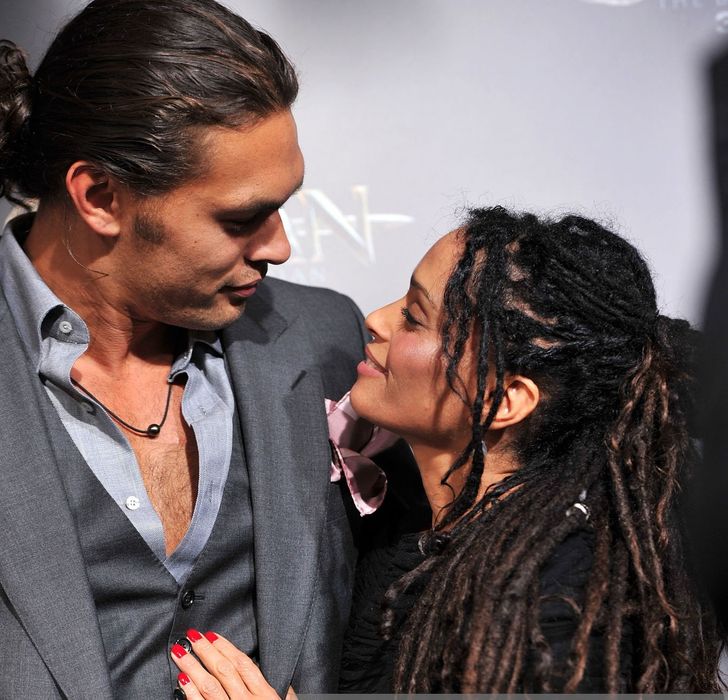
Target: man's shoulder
[[309, 325], [293, 300], [300, 292], [323, 317]]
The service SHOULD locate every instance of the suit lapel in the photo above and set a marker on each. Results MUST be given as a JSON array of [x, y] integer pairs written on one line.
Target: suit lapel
[[41, 566], [281, 404]]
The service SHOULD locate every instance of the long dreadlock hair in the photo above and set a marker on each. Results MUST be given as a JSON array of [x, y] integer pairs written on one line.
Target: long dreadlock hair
[[572, 306]]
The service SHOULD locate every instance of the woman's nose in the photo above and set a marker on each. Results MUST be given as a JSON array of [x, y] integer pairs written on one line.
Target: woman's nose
[[379, 322]]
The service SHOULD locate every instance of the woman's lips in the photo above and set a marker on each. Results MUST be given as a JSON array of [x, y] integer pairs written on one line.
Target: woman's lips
[[370, 367]]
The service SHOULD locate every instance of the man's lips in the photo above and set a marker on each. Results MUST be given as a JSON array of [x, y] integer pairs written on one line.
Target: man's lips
[[243, 290]]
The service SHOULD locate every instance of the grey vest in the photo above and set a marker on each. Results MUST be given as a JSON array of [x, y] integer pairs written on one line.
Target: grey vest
[[141, 609]]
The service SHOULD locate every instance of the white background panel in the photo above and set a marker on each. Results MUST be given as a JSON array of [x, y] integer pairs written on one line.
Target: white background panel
[[412, 109]]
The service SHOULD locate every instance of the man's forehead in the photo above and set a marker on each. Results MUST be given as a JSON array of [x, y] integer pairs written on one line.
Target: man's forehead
[[272, 132], [257, 166]]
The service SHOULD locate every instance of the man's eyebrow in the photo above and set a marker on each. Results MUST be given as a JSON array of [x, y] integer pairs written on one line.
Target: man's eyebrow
[[259, 206], [417, 285]]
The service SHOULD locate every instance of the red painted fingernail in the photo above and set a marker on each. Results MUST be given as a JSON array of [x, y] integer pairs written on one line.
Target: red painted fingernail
[[183, 679], [178, 651], [210, 636], [193, 635]]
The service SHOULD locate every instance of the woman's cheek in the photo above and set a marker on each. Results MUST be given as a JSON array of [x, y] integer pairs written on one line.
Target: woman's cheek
[[413, 356], [414, 371]]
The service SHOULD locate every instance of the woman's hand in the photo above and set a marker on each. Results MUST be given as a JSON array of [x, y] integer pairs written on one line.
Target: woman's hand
[[223, 672]]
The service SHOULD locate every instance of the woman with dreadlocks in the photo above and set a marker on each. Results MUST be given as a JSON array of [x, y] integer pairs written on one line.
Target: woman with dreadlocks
[[545, 401]]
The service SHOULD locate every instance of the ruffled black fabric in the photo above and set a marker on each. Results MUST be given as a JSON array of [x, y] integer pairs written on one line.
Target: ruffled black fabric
[[368, 660]]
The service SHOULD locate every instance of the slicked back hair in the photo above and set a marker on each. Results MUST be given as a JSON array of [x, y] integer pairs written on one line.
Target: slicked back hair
[[125, 84]]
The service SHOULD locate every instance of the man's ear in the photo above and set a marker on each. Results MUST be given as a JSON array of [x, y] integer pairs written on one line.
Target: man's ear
[[96, 196], [520, 398]]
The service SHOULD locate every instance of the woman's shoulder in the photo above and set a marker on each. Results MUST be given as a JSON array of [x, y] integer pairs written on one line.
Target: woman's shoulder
[[570, 563], [564, 576], [564, 579]]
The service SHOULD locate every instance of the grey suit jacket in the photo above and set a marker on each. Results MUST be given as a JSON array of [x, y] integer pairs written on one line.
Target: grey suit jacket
[[293, 347]]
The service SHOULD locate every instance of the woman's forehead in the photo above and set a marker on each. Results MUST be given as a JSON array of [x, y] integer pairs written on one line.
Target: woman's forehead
[[437, 264], [446, 250]]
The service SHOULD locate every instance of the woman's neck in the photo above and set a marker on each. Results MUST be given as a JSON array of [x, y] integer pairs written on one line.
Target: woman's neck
[[434, 463]]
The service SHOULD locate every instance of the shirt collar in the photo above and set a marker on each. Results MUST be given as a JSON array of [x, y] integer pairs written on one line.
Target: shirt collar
[[206, 340], [39, 314]]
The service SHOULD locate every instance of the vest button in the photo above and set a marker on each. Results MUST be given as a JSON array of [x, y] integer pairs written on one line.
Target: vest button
[[185, 644], [188, 599], [178, 694]]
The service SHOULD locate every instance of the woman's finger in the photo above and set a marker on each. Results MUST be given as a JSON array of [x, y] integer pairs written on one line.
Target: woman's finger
[[247, 669], [207, 685], [231, 667], [188, 688]]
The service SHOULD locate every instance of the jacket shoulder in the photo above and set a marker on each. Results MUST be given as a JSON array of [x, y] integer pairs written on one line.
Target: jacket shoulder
[[299, 298], [331, 317]]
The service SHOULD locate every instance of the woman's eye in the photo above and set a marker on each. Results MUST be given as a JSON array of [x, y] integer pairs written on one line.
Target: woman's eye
[[409, 319]]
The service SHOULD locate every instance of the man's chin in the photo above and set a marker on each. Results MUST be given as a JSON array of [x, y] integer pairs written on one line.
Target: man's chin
[[213, 320]]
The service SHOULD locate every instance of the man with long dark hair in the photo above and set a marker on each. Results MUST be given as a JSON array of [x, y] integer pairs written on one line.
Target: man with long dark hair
[[165, 463]]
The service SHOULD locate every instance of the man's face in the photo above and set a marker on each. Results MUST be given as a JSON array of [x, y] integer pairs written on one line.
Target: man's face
[[193, 256]]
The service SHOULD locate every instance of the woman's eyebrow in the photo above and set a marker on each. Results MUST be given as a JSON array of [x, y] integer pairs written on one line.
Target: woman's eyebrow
[[417, 285]]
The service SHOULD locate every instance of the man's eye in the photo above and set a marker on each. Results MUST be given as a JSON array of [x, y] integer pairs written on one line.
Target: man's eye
[[244, 225], [409, 319], [239, 226]]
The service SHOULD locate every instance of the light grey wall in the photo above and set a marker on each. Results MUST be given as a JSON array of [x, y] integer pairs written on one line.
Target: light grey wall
[[410, 109]]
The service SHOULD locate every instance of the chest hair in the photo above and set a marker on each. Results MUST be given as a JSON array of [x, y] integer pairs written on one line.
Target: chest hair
[[169, 467]]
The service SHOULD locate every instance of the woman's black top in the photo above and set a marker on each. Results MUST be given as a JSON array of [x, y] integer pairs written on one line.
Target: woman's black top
[[367, 663], [368, 660]]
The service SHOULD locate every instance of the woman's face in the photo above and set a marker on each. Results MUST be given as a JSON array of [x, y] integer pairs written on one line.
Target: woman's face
[[401, 385]]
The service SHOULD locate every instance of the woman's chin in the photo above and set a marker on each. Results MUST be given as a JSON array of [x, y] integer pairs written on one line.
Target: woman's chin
[[359, 400], [366, 406]]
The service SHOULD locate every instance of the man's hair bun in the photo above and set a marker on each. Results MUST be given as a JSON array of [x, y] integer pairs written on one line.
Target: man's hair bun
[[15, 106]]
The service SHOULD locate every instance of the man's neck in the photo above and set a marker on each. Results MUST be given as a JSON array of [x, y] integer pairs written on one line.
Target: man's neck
[[74, 264]]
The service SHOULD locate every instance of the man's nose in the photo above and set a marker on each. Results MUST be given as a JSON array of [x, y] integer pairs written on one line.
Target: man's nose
[[269, 243]]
